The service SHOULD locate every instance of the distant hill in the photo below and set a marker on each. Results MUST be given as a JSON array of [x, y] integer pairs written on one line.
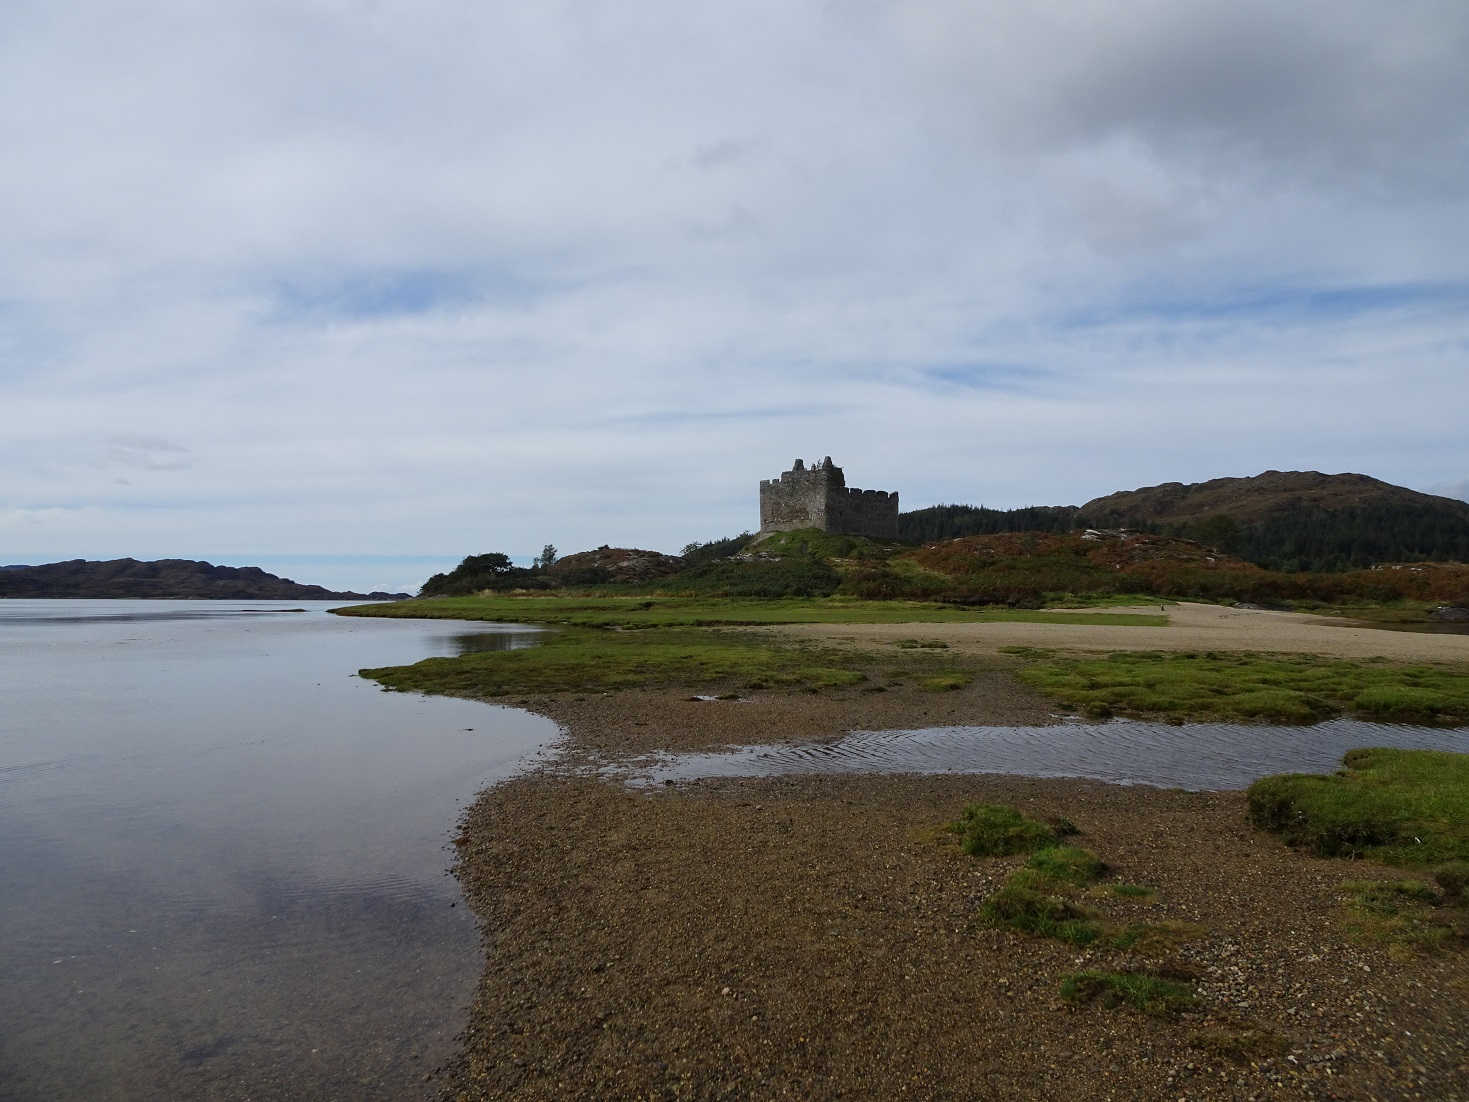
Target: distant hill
[[1296, 520], [165, 578]]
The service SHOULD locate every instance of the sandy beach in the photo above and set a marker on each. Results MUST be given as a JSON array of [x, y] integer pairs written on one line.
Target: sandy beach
[[1191, 627]]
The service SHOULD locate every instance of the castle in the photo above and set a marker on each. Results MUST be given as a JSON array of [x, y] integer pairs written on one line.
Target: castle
[[818, 497]]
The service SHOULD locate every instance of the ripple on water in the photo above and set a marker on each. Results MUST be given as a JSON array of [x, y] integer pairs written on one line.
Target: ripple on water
[[1195, 756]]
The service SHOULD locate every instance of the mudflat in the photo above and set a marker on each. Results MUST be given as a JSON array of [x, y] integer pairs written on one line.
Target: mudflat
[[1191, 627], [822, 937]]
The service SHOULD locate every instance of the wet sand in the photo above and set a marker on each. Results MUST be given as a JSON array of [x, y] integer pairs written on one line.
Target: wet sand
[[817, 936]]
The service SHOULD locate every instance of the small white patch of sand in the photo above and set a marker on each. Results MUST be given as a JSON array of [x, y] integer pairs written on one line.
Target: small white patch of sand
[[1190, 627]]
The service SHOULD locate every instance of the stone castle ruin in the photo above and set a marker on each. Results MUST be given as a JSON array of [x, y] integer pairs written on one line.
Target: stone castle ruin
[[818, 497]]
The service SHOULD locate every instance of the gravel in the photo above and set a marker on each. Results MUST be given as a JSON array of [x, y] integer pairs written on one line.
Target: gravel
[[818, 937]]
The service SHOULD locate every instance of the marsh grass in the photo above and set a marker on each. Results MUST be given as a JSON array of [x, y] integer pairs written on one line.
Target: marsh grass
[[1210, 685], [1404, 807], [579, 659], [1155, 995]]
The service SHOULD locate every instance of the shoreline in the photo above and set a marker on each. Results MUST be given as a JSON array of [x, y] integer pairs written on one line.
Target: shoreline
[[818, 936]]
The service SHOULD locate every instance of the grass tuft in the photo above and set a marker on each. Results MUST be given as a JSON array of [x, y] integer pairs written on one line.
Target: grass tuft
[[998, 830], [1024, 904], [1154, 995], [1069, 864]]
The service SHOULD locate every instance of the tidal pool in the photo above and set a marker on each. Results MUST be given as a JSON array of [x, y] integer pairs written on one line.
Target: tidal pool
[[223, 855], [1197, 756]]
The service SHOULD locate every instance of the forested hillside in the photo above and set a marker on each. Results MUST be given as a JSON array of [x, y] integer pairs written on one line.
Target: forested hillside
[[942, 522], [1284, 520], [1296, 520]]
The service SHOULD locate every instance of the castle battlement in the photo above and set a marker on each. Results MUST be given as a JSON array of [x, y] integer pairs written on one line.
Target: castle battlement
[[818, 497]]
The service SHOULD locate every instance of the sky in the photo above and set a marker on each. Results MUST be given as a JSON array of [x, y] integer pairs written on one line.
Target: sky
[[350, 289]]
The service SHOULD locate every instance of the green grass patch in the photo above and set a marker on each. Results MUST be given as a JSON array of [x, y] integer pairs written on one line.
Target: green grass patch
[[1198, 686], [1069, 864], [1133, 891], [660, 610], [1158, 996], [1400, 806], [1028, 902], [998, 830], [583, 659]]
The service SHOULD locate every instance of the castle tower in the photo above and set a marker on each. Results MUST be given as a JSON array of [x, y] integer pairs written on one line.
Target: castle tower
[[818, 497]]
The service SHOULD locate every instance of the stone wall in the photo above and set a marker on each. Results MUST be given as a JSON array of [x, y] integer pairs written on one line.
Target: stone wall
[[818, 497]]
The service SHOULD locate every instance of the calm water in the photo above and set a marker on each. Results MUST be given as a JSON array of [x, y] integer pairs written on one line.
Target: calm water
[[1198, 756], [223, 855]]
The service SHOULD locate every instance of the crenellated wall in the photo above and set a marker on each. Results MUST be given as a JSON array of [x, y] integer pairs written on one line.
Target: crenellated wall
[[818, 497]]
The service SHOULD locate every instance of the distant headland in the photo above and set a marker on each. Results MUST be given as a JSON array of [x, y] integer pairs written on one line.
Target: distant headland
[[164, 579]]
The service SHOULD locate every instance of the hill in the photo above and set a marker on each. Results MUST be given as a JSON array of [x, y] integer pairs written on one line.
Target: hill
[[1296, 520], [163, 579]]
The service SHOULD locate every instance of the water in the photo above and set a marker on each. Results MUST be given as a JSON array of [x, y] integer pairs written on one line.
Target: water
[[1197, 756], [223, 855]]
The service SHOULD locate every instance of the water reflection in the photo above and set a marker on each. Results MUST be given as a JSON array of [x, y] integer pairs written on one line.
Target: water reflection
[[493, 637], [222, 854]]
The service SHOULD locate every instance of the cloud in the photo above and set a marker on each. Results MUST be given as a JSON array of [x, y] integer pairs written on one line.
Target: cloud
[[147, 453], [339, 277]]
